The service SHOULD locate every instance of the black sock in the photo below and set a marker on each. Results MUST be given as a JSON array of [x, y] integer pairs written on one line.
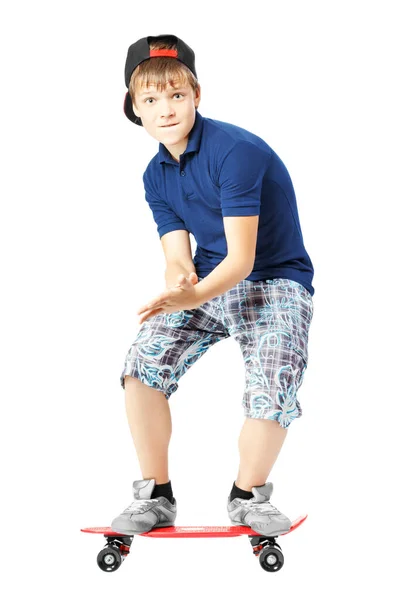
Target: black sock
[[239, 493], [163, 489]]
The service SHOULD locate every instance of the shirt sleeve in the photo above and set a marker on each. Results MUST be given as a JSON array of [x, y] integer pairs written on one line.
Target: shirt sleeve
[[164, 217], [240, 179]]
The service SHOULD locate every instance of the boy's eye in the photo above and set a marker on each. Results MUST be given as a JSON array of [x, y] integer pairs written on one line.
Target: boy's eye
[[176, 94]]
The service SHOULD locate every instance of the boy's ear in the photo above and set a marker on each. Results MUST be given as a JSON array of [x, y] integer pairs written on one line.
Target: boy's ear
[[135, 110], [197, 97]]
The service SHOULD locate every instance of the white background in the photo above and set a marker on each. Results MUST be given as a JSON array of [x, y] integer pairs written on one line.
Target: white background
[[80, 253]]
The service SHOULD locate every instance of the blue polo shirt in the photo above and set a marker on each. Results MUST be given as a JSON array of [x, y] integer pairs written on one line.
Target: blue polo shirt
[[226, 171]]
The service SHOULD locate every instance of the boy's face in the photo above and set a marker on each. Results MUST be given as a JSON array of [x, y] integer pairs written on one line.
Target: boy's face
[[174, 106]]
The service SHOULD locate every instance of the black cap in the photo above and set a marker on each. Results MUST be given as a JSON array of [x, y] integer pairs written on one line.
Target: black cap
[[140, 51]]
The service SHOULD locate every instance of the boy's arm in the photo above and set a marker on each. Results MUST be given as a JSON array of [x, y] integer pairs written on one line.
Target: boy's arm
[[174, 269], [241, 236], [240, 179], [178, 255]]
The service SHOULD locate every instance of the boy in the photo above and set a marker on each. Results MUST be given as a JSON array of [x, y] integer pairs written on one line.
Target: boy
[[250, 279]]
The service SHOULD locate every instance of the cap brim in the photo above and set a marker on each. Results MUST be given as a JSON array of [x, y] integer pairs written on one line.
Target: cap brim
[[128, 110]]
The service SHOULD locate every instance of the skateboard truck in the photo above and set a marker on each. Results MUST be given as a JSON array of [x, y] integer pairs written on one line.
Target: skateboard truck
[[269, 552], [114, 552]]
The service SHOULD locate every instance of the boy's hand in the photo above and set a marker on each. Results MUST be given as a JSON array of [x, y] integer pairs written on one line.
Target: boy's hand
[[180, 297]]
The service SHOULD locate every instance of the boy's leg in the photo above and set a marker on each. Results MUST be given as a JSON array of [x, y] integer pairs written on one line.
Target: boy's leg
[[271, 323], [149, 419], [260, 442]]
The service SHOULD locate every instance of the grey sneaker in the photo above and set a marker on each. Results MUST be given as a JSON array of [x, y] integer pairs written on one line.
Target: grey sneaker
[[145, 513], [258, 513]]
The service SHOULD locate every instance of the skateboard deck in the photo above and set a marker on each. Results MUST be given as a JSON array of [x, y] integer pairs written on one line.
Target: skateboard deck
[[266, 547]]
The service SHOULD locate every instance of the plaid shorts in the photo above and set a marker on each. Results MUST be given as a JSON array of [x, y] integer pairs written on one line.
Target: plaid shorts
[[270, 319]]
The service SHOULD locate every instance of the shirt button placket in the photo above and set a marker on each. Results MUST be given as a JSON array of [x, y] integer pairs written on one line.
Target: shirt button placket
[[182, 173]]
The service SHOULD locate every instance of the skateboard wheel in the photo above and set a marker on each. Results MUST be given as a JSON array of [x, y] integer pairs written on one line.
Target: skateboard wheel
[[109, 559], [271, 559]]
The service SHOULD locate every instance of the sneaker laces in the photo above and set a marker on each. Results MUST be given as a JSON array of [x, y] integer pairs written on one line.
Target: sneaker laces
[[143, 503], [260, 507]]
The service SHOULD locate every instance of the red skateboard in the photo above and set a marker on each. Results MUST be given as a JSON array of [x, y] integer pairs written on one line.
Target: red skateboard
[[118, 544]]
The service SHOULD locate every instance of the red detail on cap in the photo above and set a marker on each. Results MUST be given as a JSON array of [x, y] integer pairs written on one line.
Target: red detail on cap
[[172, 53]]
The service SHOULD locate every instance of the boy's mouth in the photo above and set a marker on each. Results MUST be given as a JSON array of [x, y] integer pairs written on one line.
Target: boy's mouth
[[172, 125]]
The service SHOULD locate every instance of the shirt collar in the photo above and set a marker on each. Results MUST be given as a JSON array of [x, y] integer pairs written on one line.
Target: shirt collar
[[193, 142]]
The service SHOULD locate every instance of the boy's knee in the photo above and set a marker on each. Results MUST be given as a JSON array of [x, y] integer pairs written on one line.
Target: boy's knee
[[130, 381]]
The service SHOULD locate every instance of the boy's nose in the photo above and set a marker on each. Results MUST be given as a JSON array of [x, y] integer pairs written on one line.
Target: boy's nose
[[166, 109]]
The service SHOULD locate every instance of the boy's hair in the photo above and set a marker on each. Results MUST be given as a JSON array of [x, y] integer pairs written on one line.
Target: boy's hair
[[160, 71]]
